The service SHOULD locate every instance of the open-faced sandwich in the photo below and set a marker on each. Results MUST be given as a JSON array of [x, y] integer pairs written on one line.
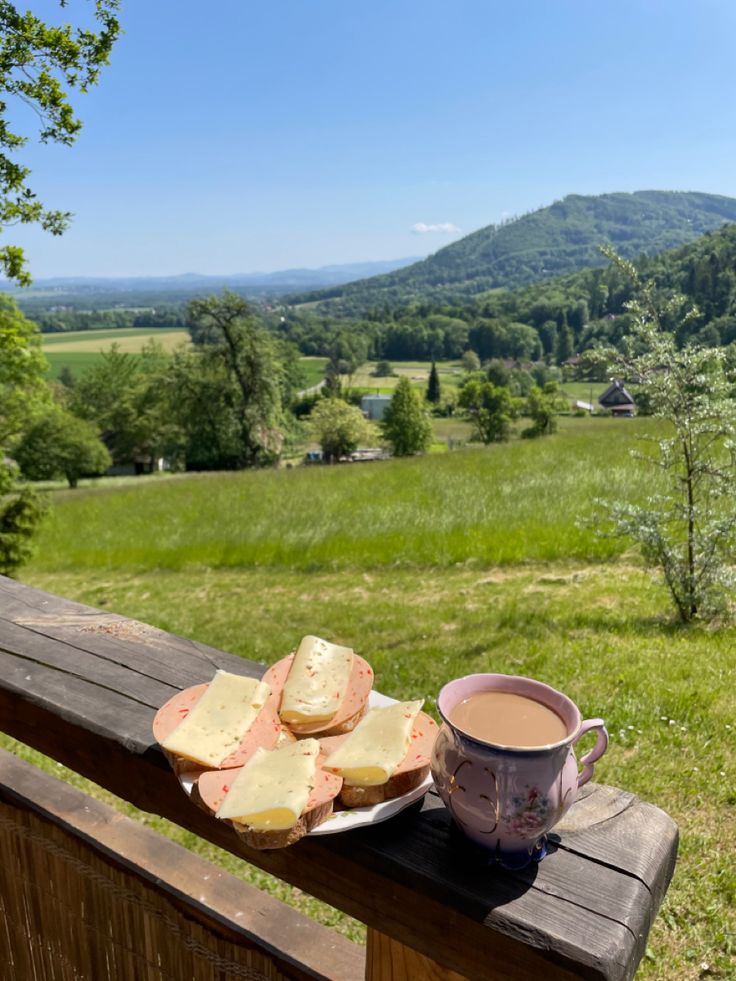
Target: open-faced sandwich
[[386, 755], [220, 724], [276, 797], [323, 688]]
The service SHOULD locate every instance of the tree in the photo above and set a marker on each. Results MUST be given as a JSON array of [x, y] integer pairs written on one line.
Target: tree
[[60, 444], [205, 433], [490, 407], [433, 386], [21, 512], [339, 428], [548, 337], [254, 363], [541, 406], [470, 362], [37, 62], [23, 393], [348, 351], [105, 396], [687, 526], [405, 424], [565, 344], [498, 374]]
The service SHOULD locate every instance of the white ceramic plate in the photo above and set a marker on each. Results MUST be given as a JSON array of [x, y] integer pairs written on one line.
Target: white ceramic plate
[[356, 817]]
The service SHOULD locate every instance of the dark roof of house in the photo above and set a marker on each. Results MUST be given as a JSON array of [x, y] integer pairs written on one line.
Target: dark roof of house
[[615, 394]]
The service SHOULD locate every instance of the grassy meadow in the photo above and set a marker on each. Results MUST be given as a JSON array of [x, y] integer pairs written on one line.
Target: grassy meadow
[[450, 374], [472, 560]]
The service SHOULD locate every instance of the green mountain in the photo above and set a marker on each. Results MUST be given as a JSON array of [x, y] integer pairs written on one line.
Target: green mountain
[[552, 319], [553, 241]]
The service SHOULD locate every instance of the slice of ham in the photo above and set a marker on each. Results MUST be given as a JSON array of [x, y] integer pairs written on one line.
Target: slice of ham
[[418, 755], [265, 731], [355, 700], [213, 785]]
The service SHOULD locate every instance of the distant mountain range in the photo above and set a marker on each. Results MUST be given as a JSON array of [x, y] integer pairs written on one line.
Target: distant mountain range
[[110, 290], [552, 241]]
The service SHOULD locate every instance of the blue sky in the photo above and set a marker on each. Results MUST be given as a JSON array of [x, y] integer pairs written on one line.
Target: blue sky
[[238, 136]]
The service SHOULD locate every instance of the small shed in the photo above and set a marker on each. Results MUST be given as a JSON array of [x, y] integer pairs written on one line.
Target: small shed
[[617, 400], [374, 406]]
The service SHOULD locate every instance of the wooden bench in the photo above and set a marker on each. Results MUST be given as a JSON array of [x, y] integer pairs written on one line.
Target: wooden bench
[[82, 686]]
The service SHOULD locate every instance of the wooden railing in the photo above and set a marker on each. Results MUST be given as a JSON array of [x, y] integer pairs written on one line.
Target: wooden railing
[[88, 894]]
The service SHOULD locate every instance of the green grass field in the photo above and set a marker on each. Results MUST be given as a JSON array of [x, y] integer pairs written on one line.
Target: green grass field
[[479, 559], [78, 350], [314, 370], [450, 375]]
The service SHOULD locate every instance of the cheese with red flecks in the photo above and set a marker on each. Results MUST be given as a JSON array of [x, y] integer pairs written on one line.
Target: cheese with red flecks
[[317, 682], [377, 745], [216, 725], [271, 791]]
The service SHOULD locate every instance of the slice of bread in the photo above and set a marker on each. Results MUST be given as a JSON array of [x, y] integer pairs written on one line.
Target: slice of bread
[[212, 786], [408, 775], [395, 786], [264, 840]]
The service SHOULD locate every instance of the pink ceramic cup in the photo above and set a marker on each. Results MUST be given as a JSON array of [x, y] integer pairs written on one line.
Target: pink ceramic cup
[[506, 798]]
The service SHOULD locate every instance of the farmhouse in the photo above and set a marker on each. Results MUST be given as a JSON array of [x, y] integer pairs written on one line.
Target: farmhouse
[[617, 400]]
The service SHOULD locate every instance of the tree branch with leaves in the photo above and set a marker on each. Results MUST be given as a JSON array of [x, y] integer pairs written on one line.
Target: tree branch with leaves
[[687, 526], [39, 64]]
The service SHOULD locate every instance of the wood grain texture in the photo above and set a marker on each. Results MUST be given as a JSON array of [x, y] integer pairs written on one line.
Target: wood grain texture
[[169, 891], [83, 687], [388, 960]]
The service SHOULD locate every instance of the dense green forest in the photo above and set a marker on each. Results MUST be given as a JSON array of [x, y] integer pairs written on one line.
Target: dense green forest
[[60, 321], [549, 242], [553, 319]]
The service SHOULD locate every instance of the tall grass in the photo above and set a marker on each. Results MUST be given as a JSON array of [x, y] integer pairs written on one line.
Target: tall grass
[[524, 501]]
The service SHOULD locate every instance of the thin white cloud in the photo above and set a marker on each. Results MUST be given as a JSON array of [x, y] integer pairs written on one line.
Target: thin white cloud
[[422, 228]]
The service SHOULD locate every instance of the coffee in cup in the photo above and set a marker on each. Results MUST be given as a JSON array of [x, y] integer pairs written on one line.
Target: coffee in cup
[[504, 761]]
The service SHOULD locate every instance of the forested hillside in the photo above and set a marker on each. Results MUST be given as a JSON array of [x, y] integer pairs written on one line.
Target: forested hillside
[[559, 239], [553, 319]]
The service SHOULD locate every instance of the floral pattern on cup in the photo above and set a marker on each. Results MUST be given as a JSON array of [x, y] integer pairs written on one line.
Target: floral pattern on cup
[[530, 814]]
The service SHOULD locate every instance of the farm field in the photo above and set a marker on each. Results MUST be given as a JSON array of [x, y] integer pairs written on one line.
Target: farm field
[[479, 559], [450, 374], [129, 340], [78, 350]]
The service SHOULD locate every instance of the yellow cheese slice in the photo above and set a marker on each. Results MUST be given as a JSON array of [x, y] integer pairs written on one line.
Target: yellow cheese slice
[[271, 792], [317, 682], [376, 746], [217, 723]]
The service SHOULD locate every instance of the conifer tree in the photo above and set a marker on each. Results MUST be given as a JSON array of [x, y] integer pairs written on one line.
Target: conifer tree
[[433, 386], [565, 343]]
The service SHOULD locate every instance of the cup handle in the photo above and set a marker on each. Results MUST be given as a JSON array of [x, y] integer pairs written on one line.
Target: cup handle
[[598, 750]]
